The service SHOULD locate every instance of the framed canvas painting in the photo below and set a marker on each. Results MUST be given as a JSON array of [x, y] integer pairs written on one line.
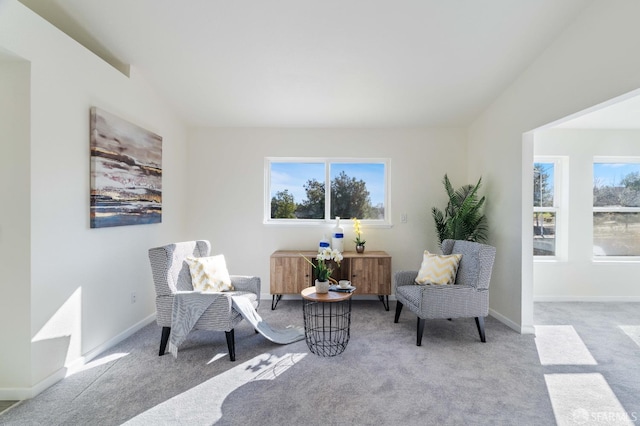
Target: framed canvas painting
[[126, 172]]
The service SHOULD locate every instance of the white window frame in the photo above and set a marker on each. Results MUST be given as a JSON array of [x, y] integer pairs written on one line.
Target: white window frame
[[559, 208], [615, 160], [327, 161]]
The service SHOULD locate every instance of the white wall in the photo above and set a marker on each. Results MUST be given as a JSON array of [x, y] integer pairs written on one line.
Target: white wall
[[592, 61], [579, 277], [226, 189], [14, 221], [80, 278]]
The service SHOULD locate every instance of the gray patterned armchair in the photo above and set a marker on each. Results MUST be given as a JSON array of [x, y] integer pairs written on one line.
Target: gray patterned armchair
[[171, 274], [468, 297]]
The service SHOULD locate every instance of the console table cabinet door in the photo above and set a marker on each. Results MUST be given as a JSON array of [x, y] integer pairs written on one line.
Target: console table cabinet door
[[370, 272], [289, 274], [371, 275]]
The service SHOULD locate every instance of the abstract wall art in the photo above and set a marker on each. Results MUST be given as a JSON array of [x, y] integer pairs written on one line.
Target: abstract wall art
[[126, 172]]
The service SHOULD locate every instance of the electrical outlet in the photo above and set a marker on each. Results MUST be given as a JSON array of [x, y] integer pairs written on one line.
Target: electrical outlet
[[403, 218], [133, 297]]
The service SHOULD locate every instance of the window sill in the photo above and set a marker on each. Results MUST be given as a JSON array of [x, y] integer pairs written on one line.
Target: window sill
[[616, 259], [318, 223], [549, 259]]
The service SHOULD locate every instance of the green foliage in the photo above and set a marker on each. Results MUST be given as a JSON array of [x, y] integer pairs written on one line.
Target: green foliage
[[626, 194], [463, 218], [313, 206], [542, 193], [283, 205], [349, 197], [631, 181]]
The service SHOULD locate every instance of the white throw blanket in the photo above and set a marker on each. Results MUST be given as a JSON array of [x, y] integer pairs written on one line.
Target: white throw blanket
[[188, 307]]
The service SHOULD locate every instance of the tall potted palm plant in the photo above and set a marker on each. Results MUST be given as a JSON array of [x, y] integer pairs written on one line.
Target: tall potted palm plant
[[463, 218]]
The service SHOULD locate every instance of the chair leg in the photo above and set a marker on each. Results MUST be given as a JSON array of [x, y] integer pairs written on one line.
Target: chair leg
[[164, 339], [480, 325], [398, 310], [420, 331], [231, 343]]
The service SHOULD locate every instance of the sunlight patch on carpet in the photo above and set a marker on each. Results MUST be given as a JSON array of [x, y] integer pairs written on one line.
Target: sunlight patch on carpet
[[584, 399], [561, 345], [202, 404], [96, 363], [216, 357], [633, 331]]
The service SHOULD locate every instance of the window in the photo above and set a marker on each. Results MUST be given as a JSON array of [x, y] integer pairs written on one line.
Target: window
[[295, 190], [616, 207], [545, 209]]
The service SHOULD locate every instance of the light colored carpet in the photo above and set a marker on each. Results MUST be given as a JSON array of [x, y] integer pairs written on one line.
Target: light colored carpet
[[382, 378], [4, 405]]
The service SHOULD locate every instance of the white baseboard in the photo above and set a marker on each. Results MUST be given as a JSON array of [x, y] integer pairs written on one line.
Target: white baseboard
[[586, 299], [19, 394], [509, 323]]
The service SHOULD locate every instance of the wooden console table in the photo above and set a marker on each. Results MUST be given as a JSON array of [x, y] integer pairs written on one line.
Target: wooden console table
[[369, 272]]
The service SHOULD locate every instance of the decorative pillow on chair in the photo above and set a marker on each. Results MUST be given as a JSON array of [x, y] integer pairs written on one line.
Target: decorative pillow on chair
[[438, 269], [209, 273]]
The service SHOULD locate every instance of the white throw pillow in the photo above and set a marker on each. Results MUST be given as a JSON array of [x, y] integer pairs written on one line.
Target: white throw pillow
[[438, 269], [209, 273]]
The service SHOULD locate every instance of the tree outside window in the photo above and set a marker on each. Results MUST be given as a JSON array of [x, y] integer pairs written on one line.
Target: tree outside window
[[544, 209], [297, 189], [357, 190], [616, 209]]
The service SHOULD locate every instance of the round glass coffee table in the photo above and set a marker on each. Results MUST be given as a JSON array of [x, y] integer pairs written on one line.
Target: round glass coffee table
[[327, 321]]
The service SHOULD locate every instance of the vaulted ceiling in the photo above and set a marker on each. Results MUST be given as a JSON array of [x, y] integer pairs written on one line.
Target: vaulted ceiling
[[312, 63]]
